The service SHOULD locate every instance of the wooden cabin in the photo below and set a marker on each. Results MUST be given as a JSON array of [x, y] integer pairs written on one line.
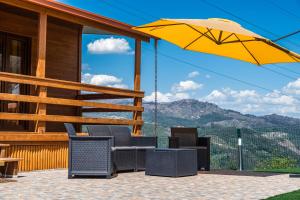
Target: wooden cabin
[[40, 79]]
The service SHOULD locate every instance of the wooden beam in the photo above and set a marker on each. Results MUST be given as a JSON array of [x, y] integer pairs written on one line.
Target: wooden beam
[[137, 65], [41, 69], [79, 72], [67, 102], [62, 84], [70, 119], [101, 96], [32, 137], [141, 109], [40, 126], [137, 129], [42, 40], [78, 16]]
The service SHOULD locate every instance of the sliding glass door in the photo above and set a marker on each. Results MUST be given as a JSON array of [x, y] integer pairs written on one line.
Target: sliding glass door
[[14, 57]]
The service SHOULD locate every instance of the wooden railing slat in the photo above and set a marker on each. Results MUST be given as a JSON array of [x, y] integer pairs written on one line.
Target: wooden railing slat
[[32, 137], [99, 96], [67, 102], [70, 119], [62, 84]]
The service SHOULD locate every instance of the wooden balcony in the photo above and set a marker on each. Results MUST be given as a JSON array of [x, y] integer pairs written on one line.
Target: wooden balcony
[[53, 34], [50, 148], [87, 106]]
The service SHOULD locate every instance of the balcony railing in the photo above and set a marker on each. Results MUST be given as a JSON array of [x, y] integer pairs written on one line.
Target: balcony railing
[[98, 92]]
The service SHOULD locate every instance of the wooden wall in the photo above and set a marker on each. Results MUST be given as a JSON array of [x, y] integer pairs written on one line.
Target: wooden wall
[[63, 54], [39, 155], [62, 62]]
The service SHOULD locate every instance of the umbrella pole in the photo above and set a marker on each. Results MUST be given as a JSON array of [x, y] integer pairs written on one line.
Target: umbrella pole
[[155, 87]]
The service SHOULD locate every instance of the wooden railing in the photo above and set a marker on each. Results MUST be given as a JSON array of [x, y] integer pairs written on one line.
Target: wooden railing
[[99, 92]]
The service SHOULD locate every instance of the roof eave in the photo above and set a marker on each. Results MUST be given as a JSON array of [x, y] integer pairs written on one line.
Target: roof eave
[[79, 16]]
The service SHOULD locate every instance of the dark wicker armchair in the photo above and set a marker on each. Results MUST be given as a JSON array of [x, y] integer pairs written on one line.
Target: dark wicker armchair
[[89, 156], [128, 151], [188, 138]]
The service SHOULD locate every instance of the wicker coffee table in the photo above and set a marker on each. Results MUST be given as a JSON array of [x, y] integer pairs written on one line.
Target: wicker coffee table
[[171, 162]]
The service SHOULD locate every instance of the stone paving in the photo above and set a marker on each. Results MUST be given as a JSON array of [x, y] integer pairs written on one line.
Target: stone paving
[[53, 184]]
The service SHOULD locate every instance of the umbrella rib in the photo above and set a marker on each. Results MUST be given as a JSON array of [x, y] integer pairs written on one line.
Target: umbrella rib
[[289, 53], [236, 41], [161, 25], [227, 37], [247, 49], [209, 30], [220, 36], [194, 41], [200, 32], [175, 24]]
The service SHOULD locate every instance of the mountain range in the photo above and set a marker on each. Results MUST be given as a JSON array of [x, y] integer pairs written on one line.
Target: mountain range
[[191, 112]]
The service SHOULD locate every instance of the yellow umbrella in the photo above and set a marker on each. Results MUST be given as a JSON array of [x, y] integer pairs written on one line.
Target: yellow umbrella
[[220, 37]]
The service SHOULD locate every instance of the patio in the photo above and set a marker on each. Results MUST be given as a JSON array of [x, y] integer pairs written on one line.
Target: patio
[[53, 184]]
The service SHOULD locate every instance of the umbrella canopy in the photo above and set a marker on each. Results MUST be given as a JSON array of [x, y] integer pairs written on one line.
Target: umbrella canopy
[[220, 37]]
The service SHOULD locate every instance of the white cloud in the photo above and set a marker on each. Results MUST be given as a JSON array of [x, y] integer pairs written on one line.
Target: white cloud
[[250, 101], [109, 46], [103, 80], [193, 74], [293, 87], [178, 91], [277, 98], [207, 76], [166, 97], [215, 95], [161, 97], [186, 86]]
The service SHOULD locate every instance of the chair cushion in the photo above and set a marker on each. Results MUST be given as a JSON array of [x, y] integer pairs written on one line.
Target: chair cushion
[[123, 148], [145, 147], [186, 136], [98, 130], [70, 129], [122, 135]]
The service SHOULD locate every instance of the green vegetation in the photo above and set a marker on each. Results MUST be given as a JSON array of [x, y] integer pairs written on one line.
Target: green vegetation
[[287, 196], [264, 149], [295, 170], [277, 163]]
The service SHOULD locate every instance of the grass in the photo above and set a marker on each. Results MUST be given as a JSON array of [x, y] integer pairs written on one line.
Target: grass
[[286, 171], [287, 196]]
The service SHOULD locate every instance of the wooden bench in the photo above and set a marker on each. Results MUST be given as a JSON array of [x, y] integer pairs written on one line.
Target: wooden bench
[[9, 167]]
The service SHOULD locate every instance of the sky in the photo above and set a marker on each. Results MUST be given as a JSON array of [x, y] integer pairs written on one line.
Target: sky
[[109, 60]]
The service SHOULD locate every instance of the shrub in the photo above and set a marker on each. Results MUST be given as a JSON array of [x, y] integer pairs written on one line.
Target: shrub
[[278, 163]]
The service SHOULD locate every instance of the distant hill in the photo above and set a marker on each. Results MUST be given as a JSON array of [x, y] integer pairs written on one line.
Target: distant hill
[[190, 112]]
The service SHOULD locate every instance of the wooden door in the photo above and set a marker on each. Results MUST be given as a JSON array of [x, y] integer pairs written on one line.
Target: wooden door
[[14, 57]]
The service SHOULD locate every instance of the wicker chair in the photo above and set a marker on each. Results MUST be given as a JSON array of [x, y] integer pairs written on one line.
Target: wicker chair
[[188, 138], [89, 155], [128, 151]]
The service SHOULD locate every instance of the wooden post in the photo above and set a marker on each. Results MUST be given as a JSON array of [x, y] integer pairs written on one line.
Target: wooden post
[[41, 69], [137, 115]]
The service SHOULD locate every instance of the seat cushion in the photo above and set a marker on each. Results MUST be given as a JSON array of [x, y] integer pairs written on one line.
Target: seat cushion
[[98, 130], [70, 129], [186, 136], [145, 147], [122, 135], [123, 148]]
